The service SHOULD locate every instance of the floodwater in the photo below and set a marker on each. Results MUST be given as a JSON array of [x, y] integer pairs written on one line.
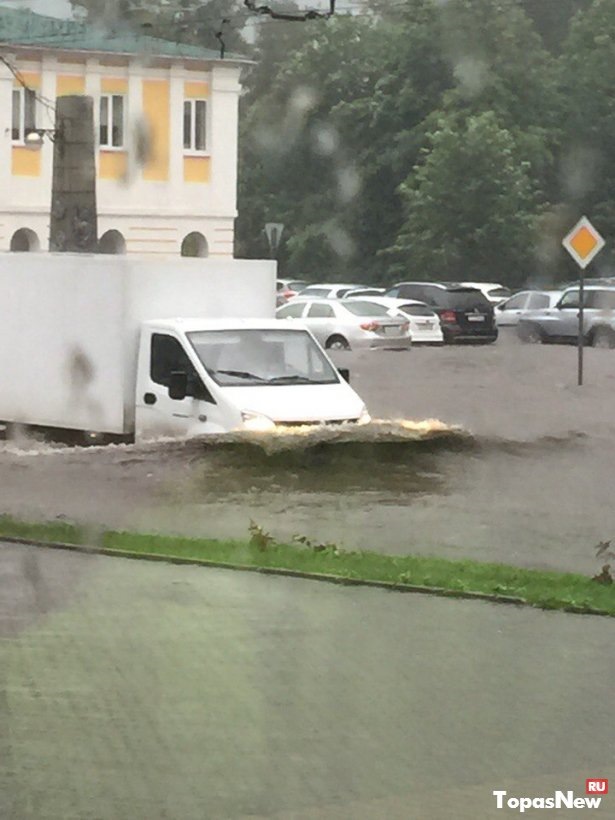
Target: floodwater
[[525, 476]]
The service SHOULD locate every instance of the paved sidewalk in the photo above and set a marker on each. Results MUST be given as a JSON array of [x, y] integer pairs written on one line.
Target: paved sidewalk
[[135, 691]]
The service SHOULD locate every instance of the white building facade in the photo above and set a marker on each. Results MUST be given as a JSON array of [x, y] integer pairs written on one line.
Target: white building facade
[[165, 136]]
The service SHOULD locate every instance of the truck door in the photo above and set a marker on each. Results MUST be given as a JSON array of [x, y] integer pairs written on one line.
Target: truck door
[[157, 413]]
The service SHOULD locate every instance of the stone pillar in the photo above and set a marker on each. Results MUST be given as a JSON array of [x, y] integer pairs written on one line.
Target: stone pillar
[[73, 196]]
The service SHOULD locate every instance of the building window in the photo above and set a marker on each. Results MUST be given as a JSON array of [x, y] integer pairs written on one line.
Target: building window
[[195, 125], [111, 132], [24, 113]]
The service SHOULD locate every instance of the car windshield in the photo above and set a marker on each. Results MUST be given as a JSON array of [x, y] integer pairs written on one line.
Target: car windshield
[[360, 308], [257, 357]]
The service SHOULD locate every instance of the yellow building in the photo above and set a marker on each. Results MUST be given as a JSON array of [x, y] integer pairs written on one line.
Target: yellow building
[[165, 128]]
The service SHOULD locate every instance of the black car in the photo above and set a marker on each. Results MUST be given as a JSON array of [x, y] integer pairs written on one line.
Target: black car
[[466, 315]]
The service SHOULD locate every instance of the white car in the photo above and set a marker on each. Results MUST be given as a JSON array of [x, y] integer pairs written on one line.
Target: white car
[[425, 327], [508, 313], [493, 291], [326, 291], [365, 292], [351, 323]]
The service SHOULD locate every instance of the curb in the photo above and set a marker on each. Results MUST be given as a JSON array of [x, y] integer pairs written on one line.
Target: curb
[[340, 580]]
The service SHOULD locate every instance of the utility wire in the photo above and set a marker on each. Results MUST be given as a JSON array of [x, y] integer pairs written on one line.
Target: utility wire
[[45, 101]]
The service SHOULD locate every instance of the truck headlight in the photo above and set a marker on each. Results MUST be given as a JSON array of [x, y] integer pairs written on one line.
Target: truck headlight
[[364, 417], [256, 422]]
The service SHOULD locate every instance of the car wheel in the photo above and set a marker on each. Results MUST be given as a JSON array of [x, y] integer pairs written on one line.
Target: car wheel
[[603, 337], [337, 343], [531, 334]]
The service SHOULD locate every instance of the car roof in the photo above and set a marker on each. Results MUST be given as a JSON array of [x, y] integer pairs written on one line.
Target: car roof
[[450, 286], [333, 285], [432, 284], [480, 285], [189, 325], [591, 287], [392, 301]]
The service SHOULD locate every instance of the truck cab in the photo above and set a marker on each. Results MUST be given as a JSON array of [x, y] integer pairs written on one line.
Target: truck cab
[[203, 376]]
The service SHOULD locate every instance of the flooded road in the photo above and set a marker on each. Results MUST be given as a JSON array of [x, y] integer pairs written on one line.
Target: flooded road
[[531, 484]]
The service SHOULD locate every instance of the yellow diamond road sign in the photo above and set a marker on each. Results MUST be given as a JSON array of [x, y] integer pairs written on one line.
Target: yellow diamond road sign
[[583, 242]]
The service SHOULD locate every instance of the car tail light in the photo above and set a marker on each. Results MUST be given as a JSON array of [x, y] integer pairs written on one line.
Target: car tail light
[[448, 316], [288, 294], [405, 327], [369, 325]]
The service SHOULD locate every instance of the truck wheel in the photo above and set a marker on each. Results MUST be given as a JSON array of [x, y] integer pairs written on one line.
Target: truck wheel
[[337, 343], [603, 337]]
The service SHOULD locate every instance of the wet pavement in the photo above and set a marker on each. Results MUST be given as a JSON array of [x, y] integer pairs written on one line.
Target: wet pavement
[[147, 691], [533, 486]]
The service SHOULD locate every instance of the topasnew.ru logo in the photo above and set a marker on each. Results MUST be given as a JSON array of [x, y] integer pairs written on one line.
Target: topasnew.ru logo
[[559, 800]]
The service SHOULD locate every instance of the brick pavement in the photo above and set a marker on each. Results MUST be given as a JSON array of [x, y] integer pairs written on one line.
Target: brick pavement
[[135, 691]]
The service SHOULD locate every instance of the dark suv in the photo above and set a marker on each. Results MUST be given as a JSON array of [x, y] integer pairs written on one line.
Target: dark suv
[[466, 315]]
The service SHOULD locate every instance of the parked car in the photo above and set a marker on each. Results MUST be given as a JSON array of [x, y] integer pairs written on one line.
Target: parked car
[[288, 289], [494, 292], [466, 315], [354, 323], [365, 292], [561, 322], [508, 313], [425, 325], [326, 291]]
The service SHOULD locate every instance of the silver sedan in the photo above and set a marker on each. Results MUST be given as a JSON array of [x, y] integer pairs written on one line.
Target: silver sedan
[[508, 313], [350, 324]]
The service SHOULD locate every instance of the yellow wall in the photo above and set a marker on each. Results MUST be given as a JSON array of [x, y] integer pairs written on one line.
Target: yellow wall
[[30, 78], [156, 109], [69, 84], [26, 162], [114, 85], [112, 164], [197, 169], [194, 90]]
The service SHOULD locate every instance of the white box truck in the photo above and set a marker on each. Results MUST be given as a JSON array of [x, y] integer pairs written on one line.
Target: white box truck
[[130, 348]]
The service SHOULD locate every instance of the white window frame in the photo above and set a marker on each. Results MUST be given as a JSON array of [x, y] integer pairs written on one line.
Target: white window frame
[[191, 148], [22, 92], [108, 145]]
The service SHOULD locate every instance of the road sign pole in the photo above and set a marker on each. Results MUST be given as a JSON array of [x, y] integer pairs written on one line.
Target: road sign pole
[[581, 336], [583, 242]]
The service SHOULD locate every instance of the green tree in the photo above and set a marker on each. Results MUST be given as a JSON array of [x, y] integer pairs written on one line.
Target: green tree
[[194, 22], [298, 164], [470, 207], [552, 19], [587, 169]]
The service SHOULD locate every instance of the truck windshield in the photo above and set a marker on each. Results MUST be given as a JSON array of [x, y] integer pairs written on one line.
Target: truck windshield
[[258, 357]]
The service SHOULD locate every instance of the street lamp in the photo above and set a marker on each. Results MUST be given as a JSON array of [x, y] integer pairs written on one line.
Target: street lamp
[[274, 230], [34, 139]]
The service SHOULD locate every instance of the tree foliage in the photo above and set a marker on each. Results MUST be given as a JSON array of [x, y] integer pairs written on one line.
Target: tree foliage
[[196, 22], [446, 138], [470, 206]]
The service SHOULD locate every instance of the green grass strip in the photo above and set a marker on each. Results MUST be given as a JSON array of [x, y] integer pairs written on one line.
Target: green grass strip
[[548, 590]]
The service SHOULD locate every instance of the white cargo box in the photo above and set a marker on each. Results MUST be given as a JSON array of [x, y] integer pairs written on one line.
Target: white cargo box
[[69, 327]]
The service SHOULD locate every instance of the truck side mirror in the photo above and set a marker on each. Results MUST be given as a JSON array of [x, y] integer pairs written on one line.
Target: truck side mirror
[[344, 373], [178, 385]]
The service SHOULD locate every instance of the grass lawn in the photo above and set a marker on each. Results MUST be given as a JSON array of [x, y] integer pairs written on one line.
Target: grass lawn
[[548, 590]]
